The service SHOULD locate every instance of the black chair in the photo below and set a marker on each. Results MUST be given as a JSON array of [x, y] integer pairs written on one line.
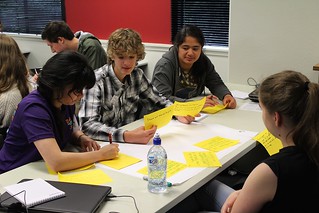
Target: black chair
[[236, 174], [3, 134]]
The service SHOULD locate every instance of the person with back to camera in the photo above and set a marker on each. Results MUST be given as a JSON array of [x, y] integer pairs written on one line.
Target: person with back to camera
[[184, 71], [44, 123], [14, 84], [122, 93], [287, 181], [59, 36]]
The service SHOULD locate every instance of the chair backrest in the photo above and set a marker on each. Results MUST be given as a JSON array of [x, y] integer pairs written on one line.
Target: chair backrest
[[3, 134], [1, 141]]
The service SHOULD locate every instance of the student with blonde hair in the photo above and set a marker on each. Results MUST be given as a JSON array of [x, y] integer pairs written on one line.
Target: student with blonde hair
[[122, 93]]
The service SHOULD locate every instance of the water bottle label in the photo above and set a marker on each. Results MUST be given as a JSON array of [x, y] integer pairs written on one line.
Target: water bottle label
[[157, 174], [152, 160]]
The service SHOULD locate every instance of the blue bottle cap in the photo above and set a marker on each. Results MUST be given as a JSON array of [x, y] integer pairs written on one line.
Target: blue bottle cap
[[157, 139]]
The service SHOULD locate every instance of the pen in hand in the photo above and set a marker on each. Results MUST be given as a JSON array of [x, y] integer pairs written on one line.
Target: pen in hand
[[110, 138]]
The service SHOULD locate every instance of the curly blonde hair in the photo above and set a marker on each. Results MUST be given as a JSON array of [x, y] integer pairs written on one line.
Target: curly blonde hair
[[125, 41]]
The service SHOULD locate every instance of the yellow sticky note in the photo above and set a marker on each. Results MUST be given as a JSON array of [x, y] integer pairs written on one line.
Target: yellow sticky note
[[214, 109], [201, 159], [191, 108], [270, 142], [78, 169], [217, 144], [159, 118], [94, 177], [143, 170], [173, 167], [121, 161]]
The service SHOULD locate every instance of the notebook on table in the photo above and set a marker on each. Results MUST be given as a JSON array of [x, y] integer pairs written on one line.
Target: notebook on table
[[34, 192], [79, 198]]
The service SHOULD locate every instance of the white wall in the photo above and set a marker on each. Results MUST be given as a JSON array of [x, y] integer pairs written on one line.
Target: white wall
[[40, 53], [267, 36]]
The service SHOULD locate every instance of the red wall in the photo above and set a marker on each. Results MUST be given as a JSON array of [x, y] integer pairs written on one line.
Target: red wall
[[151, 18]]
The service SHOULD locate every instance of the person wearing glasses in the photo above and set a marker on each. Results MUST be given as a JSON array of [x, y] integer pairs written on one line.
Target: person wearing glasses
[[44, 123], [59, 37]]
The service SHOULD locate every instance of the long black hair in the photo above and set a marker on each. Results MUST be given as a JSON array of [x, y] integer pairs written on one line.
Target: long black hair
[[195, 32], [63, 69]]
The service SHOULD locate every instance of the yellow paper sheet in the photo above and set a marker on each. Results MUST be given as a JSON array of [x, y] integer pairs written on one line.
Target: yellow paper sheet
[[191, 108], [214, 109], [94, 177], [217, 144], [159, 118], [162, 117], [173, 167], [201, 159], [78, 169], [270, 142], [121, 161]]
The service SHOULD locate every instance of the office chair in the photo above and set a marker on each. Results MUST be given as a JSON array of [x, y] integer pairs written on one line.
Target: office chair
[[236, 174], [3, 134]]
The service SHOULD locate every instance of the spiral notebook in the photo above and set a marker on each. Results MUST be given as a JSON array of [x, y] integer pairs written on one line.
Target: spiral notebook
[[34, 192], [79, 198]]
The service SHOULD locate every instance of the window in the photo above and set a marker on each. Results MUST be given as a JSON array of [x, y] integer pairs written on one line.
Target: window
[[29, 16], [211, 16]]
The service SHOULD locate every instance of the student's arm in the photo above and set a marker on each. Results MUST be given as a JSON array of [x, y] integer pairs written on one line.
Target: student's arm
[[217, 87], [91, 115], [62, 161], [85, 142], [164, 79], [259, 188]]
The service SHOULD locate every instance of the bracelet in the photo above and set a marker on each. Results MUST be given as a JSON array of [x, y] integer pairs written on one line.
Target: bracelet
[[78, 140]]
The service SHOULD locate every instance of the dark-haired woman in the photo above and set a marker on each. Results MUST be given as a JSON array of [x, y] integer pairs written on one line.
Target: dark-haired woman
[[45, 123], [184, 71]]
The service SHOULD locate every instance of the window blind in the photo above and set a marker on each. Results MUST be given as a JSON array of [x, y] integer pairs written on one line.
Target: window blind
[[29, 16], [211, 16]]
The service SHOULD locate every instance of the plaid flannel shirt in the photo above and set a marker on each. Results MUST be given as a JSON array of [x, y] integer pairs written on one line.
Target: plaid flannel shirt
[[111, 104]]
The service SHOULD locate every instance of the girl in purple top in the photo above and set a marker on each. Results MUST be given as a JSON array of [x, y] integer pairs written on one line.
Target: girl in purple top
[[45, 122]]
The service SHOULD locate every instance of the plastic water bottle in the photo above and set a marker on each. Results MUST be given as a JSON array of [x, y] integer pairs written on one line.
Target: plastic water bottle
[[157, 165]]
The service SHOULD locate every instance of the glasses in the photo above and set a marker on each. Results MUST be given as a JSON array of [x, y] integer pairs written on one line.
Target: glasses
[[78, 92]]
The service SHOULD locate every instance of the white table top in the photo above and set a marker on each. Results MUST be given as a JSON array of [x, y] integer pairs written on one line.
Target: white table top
[[124, 184]]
